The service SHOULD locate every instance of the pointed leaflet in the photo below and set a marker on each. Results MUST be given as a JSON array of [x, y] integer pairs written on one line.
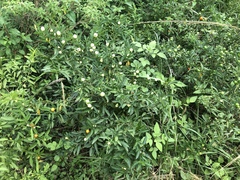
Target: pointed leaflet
[[157, 128]]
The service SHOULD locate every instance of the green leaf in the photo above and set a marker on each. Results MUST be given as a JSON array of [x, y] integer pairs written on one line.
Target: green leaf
[[52, 146], [154, 154], [216, 165], [3, 139], [67, 145], [137, 44], [2, 21], [171, 140], [27, 38], [14, 31], [95, 139], [191, 99], [159, 76], [144, 62], [179, 84], [149, 139], [159, 146], [128, 161], [31, 161], [161, 55], [152, 44], [54, 168], [144, 89], [125, 145], [72, 17], [7, 118], [220, 159], [56, 158], [42, 177], [46, 167], [3, 168], [157, 128]]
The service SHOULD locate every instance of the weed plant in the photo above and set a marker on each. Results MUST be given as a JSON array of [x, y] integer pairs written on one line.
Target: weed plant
[[102, 89]]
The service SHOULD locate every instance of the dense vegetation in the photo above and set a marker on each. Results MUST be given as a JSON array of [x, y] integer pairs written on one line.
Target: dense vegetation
[[103, 89]]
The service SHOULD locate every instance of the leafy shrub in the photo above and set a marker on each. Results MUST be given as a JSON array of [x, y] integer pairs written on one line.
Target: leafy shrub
[[93, 92]]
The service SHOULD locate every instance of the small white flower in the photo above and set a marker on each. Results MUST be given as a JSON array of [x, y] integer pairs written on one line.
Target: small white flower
[[113, 55], [91, 50], [63, 41], [42, 28], [58, 33], [107, 43], [113, 79], [80, 62], [119, 22], [75, 36], [128, 105], [89, 105], [95, 35], [137, 71], [131, 49], [116, 105], [78, 49], [102, 75], [58, 47], [113, 66], [101, 60], [60, 52], [85, 139], [102, 94], [87, 101], [96, 52], [82, 79], [134, 82], [120, 63], [66, 138], [51, 30], [108, 143]]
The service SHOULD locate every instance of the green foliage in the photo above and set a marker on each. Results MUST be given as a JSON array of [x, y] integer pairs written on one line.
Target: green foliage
[[89, 90]]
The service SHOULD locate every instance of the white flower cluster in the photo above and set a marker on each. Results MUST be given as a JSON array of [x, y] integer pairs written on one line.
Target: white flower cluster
[[88, 103]]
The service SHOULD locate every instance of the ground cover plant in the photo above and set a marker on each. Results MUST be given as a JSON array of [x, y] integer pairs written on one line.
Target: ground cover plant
[[102, 89]]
